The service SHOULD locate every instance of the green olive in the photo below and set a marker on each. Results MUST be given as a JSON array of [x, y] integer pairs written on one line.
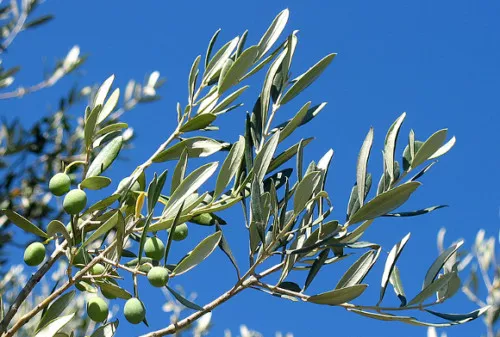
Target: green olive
[[97, 309], [97, 269], [34, 254], [154, 248], [59, 184], [158, 276], [180, 232], [75, 201], [134, 311]]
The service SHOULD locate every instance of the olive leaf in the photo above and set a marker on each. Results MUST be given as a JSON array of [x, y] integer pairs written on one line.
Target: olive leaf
[[338, 296], [105, 158], [198, 254], [23, 223]]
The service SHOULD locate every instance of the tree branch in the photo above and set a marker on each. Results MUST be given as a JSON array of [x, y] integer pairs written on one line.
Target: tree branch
[[56, 293], [172, 328]]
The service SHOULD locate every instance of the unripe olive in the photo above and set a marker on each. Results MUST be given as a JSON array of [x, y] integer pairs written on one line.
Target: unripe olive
[[134, 310], [97, 309], [154, 248], [158, 276], [75, 201], [97, 269], [34, 254], [59, 184], [180, 232]]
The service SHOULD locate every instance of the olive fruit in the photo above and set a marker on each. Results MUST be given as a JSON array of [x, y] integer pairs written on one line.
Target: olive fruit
[[75, 201], [154, 248], [59, 184], [97, 309], [134, 310], [158, 276], [34, 254], [180, 232], [97, 269]]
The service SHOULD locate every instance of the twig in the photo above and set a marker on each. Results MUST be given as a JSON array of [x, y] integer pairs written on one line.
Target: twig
[[13, 33], [56, 293], [172, 328], [121, 266]]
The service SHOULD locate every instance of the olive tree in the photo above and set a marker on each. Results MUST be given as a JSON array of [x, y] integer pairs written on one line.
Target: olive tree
[[288, 220]]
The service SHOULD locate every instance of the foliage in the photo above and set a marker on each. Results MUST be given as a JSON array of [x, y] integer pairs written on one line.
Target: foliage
[[29, 156], [484, 277], [288, 218]]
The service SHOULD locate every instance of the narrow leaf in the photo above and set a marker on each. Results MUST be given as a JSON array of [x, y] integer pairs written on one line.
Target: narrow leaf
[[199, 253], [338, 296], [363, 156], [390, 263], [105, 158], [184, 301], [23, 223], [306, 79], [385, 202]]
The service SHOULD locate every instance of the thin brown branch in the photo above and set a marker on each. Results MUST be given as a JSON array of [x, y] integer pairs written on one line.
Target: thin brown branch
[[172, 328], [25, 318]]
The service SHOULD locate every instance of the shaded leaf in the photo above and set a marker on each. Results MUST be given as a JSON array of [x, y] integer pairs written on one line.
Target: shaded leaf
[[54, 326], [238, 69], [315, 268], [23, 223], [430, 146], [114, 290], [220, 108], [390, 263], [359, 269], [307, 78], [56, 226], [390, 146], [95, 183], [107, 330], [432, 288], [198, 122], [395, 280], [338, 296], [184, 301], [56, 309], [363, 156], [385, 202], [110, 105], [287, 155], [264, 157], [436, 266], [187, 187], [415, 213], [198, 254], [230, 167], [104, 228], [196, 147], [224, 246], [273, 32], [305, 190]]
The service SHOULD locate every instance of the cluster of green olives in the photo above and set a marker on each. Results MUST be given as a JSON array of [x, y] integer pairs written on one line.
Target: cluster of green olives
[[75, 199], [98, 310]]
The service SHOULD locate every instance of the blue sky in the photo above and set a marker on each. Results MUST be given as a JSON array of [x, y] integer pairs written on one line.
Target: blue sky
[[437, 61]]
